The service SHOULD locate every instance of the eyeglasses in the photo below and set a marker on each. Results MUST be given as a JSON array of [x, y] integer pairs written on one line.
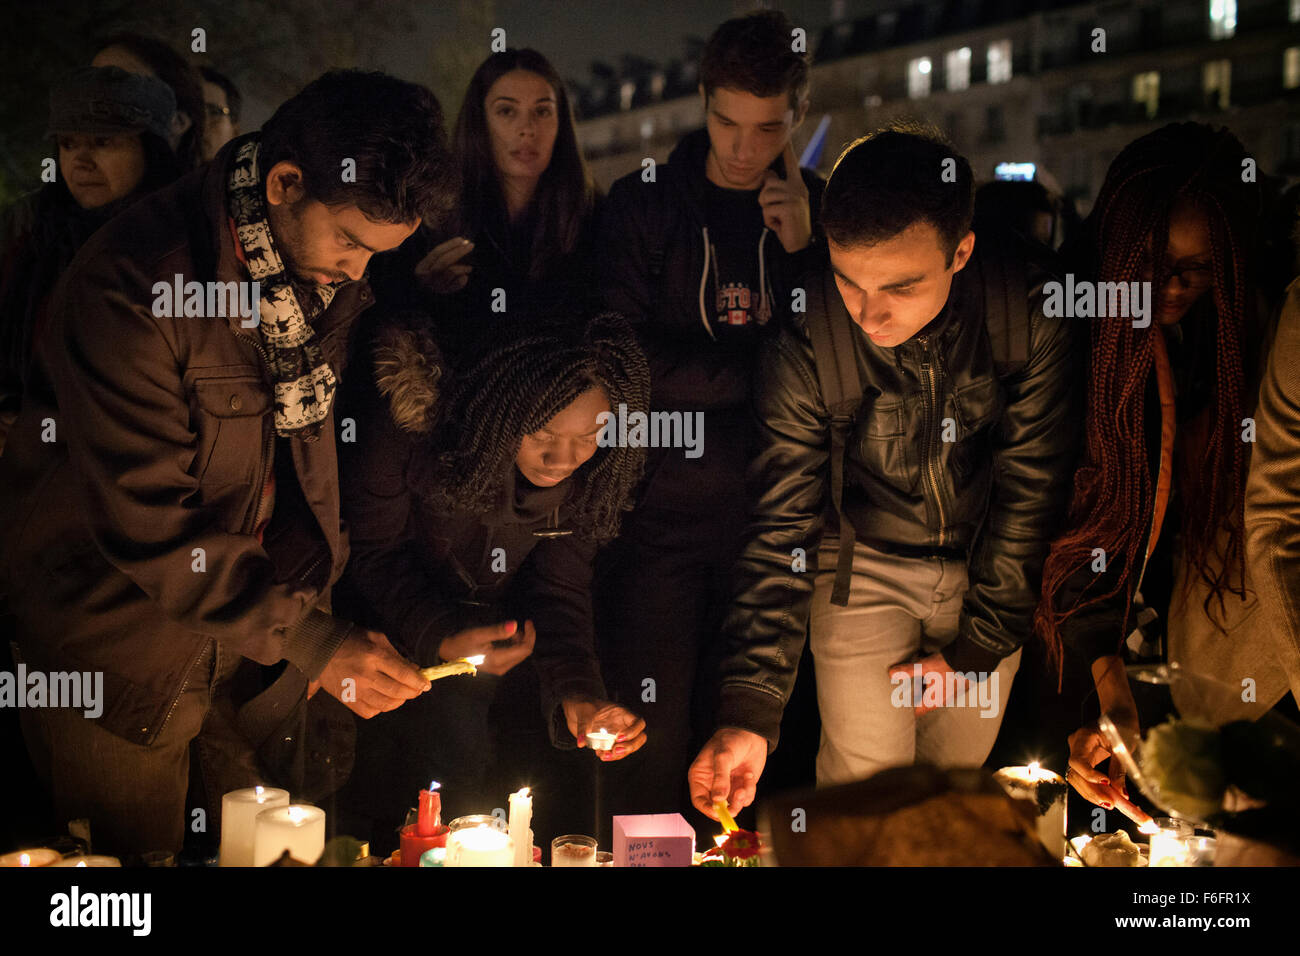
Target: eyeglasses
[[1189, 277], [216, 112]]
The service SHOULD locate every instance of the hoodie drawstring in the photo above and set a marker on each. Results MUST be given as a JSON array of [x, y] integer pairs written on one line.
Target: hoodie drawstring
[[764, 312], [704, 279]]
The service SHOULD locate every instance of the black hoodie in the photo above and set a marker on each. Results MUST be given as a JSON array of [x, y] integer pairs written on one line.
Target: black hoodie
[[656, 268]]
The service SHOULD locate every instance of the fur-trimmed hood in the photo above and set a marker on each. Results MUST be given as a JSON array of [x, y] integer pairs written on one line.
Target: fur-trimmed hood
[[409, 372]]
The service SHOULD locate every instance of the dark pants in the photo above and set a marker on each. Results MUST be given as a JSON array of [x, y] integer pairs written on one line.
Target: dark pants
[[662, 590], [137, 797]]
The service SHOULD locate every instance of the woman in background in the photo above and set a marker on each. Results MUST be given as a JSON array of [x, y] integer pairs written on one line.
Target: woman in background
[[111, 131], [522, 238]]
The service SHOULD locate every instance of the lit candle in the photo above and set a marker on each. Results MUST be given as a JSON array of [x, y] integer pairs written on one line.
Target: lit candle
[[430, 811], [427, 832], [239, 810], [601, 740], [466, 665], [1046, 790], [1171, 843], [298, 828], [25, 859], [479, 840], [521, 817], [89, 861]]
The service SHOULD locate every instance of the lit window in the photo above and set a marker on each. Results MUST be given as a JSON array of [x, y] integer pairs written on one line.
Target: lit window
[[1223, 19], [625, 94], [999, 61], [1218, 83], [1291, 67], [918, 78], [1146, 92], [956, 68]]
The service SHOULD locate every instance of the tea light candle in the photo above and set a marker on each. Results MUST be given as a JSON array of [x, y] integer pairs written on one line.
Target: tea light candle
[[601, 740], [25, 859], [239, 809], [298, 828], [89, 861], [521, 817], [1047, 791], [1170, 844]]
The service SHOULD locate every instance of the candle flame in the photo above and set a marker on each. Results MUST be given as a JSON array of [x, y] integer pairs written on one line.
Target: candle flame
[[82, 863], [720, 839], [259, 792], [523, 792], [297, 814], [434, 785], [1149, 827], [24, 860], [1034, 767], [477, 659]]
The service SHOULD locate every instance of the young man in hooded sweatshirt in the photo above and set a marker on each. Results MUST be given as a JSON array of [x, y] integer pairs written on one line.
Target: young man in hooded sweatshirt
[[703, 255]]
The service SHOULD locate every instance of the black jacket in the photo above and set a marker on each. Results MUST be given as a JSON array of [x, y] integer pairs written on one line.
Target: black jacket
[[419, 576], [654, 269], [995, 493], [501, 260]]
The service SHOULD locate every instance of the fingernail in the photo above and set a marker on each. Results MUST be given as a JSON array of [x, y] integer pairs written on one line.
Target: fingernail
[[620, 750]]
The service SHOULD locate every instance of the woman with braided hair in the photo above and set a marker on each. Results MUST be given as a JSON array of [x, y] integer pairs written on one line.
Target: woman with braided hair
[[476, 500], [1154, 531]]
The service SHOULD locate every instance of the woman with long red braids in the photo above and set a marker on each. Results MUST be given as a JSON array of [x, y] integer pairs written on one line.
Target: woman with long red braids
[[1150, 564]]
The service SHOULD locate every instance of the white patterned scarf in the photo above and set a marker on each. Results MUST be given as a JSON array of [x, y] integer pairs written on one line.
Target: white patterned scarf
[[303, 381]]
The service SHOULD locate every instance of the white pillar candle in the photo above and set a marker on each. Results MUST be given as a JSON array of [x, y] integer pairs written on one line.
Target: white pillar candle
[[521, 818], [89, 861], [26, 859], [1047, 791], [480, 846], [239, 810], [298, 828]]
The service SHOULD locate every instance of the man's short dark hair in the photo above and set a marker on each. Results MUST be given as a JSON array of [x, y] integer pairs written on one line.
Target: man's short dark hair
[[888, 180], [393, 132], [233, 99], [753, 54]]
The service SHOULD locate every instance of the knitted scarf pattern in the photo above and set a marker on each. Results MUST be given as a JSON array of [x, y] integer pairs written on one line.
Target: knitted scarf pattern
[[303, 381]]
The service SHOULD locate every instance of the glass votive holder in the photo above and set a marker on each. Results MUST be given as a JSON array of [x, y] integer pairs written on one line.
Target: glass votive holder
[[604, 858], [479, 840], [573, 850], [1201, 847], [1170, 844]]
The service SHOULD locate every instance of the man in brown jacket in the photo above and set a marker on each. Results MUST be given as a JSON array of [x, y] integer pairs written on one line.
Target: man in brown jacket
[[169, 497]]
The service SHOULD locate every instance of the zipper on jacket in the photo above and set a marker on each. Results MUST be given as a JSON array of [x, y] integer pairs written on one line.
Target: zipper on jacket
[[189, 671], [931, 475]]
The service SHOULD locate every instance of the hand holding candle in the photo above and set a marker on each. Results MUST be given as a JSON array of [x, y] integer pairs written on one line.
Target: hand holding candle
[[499, 647], [585, 715]]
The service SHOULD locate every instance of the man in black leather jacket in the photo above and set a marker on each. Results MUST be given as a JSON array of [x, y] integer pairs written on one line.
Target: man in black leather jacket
[[956, 472]]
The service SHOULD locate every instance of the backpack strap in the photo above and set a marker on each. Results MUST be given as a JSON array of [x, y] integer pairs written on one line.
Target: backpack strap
[[1006, 300], [831, 331]]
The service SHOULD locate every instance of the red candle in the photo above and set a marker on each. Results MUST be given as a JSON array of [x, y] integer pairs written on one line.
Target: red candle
[[430, 811]]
